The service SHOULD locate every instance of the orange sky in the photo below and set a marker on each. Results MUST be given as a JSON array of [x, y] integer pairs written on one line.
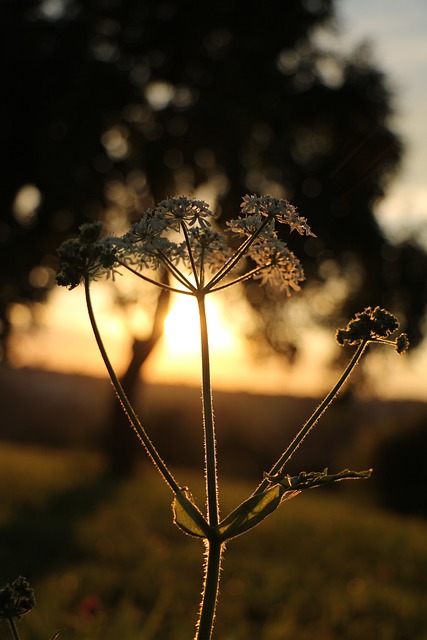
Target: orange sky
[[64, 341]]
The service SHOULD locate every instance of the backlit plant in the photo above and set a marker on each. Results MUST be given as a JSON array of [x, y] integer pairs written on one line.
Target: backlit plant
[[180, 236]]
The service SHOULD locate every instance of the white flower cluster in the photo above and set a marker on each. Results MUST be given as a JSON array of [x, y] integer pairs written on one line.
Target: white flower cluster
[[179, 235]]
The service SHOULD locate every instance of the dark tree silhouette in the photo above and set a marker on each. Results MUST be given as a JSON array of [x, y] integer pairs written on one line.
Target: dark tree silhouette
[[110, 105]]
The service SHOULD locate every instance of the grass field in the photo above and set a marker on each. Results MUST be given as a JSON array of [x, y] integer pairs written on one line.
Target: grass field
[[107, 563]]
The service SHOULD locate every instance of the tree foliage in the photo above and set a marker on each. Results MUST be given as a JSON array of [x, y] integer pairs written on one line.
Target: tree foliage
[[114, 104]]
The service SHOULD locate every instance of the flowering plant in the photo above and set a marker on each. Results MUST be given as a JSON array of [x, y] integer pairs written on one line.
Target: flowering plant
[[179, 236], [16, 599]]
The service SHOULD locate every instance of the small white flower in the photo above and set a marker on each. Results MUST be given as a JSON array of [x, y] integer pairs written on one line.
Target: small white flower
[[280, 268], [177, 210], [276, 209], [209, 248], [250, 224]]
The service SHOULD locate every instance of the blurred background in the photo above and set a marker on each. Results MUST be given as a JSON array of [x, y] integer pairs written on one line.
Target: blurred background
[[108, 107]]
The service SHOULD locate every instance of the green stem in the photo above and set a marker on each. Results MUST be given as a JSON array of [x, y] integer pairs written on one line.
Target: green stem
[[304, 431], [208, 421], [210, 590], [14, 629], [149, 446]]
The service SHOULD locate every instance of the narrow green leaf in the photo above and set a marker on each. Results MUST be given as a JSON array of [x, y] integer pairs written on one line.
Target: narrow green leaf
[[251, 512], [187, 516], [317, 478]]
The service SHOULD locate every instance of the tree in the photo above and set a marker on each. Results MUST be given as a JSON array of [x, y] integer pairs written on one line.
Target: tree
[[122, 455], [113, 104]]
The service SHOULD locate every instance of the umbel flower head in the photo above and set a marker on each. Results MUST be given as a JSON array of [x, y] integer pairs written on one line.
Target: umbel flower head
[[85, 254], [372, 325], [16, 599], [179, 235]]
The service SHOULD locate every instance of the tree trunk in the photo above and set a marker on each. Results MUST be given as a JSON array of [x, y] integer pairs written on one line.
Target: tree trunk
[[122, 446]]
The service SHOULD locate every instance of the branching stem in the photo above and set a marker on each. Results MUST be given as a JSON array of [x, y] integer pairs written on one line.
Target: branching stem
[[305, 430], [190, 254], [158, 283], [242, 278], [234, 259], [176, 272]]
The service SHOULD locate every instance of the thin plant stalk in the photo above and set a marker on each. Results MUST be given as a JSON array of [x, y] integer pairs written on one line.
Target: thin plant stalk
[[307, 427], [157, 283], [213, 564], [190, 255], [235, 258], [208, 421], [241, 278], [14, 629], [127, 406], [176, 272], [214, 546]]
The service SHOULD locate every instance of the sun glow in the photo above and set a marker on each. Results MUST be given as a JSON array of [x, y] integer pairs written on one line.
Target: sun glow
[[182, 330]]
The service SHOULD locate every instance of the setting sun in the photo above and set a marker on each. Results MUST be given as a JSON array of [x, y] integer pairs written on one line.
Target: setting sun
[[182, 332]]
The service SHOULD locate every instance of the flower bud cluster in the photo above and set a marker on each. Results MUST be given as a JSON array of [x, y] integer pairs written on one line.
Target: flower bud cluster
[[16, 599], [372, 324], [87, 254]]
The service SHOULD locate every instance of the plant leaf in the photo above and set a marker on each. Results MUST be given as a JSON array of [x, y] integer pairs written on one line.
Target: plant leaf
[[251, 512], [187, 516], [316, 478]]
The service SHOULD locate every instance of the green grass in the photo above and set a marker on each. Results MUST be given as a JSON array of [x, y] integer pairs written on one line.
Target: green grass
[[107, 562]]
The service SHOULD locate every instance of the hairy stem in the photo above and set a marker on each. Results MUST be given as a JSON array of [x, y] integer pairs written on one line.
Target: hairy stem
[[304, 431], [127, 406], [210, 590], [208, 422], [214, 546]]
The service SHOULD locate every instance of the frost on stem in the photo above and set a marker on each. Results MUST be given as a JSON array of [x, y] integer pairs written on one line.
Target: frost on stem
[[373, 325]]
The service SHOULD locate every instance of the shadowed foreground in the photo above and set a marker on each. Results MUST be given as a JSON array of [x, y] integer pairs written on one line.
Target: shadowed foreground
[[107, 562]]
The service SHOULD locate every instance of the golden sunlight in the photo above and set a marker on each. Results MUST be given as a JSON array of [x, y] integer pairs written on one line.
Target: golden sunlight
[[182, 332], [63, 341]]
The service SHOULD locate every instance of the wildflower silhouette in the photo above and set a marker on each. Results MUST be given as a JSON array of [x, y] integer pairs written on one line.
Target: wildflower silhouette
[[200, 250], [16, 599], [180, 235]]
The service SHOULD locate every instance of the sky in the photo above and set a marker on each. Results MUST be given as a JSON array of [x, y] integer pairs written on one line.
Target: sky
[[398, 33]]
